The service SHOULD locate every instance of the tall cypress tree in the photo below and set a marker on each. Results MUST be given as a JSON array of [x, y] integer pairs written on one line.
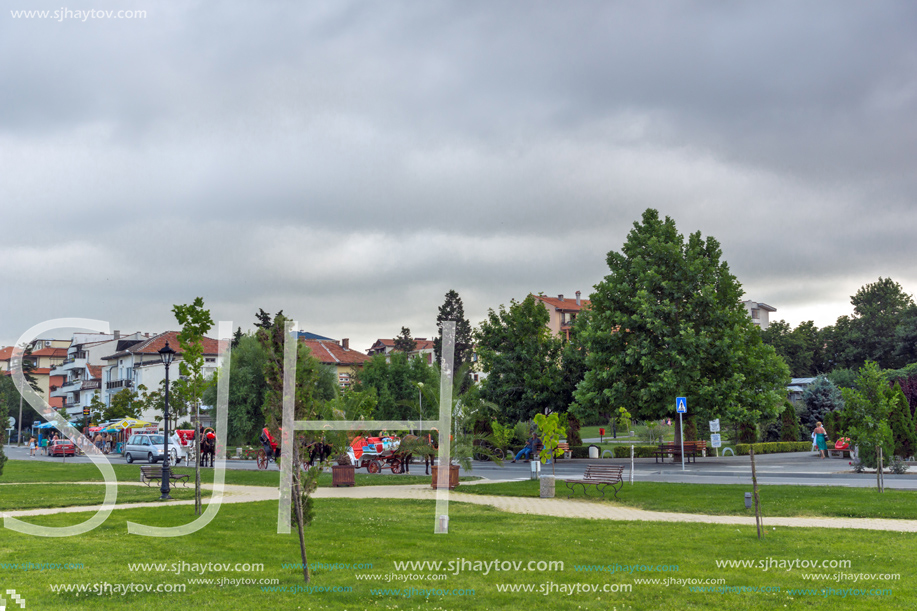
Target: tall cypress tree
[[902, 424], [452, 309], [789, 423]]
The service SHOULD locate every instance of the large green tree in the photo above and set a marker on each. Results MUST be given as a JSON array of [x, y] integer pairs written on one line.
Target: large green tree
[[874, 332], [128, 403], [801, 348], [906, 336], [452, 309], [667, 321], [395, 382], [246, 391], [523, 360]]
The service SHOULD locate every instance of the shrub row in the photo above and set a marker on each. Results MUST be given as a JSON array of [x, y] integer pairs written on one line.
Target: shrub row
[[623, 450], [620, 451], [774, 447]]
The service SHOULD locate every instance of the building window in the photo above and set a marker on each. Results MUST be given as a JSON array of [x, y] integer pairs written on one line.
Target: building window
[[754, 313]]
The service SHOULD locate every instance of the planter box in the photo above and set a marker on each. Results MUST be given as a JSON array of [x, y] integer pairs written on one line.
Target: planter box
[[342, 475], [453, 476]]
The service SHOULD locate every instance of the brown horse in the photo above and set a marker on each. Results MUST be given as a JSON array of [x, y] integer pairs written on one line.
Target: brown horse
[[412, 444], [208, 450]]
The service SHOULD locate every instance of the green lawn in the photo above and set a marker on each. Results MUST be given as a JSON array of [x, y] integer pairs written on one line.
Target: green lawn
[[729, 499], [34, 496], [381, 532], [25, 471]]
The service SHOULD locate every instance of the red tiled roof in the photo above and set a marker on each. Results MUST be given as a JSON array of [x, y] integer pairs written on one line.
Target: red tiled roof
[[61, 352], [567, 305], [95, 371], [6, 353], [419, 344], [331, 353], [154, 344], [42, 371]]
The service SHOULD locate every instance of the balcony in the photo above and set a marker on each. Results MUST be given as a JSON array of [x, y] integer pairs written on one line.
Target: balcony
[[113, 384], [69, 363], [92, 384]]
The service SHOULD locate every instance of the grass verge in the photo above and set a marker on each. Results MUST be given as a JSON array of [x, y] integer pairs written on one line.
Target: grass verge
[[377, 534], [26, 471], [33, 496], [729, 499]]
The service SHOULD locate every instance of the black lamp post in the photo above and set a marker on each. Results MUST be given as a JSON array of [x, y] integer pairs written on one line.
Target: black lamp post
[[167, 355]]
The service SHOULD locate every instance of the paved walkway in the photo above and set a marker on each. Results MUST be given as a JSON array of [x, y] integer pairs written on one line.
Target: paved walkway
[[557, 507]]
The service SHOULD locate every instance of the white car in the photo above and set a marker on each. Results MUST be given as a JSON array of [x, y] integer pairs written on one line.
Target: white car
[[149, 447]]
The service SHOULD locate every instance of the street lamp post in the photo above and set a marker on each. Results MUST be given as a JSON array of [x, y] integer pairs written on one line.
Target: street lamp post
[[420, 403], [167, 355]]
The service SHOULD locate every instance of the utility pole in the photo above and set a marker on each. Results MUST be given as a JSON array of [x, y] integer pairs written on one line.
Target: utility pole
[[19, 424]]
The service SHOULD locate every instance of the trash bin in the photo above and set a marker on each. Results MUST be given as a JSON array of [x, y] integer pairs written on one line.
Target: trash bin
[[593, 451]]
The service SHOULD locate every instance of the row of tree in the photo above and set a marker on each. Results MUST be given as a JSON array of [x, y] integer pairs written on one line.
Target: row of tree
[[881, 329]]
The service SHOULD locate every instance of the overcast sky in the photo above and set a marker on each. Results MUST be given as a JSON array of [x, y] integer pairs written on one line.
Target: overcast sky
[[350, 162]]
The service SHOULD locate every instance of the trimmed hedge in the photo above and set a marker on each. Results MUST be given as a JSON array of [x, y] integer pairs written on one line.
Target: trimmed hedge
[[774, 447], [620, 451]]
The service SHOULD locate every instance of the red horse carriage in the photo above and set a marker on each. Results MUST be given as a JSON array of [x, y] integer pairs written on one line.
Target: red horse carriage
[[376, 453]]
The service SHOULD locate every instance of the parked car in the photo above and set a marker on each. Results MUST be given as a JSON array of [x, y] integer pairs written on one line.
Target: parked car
[[149, 447], [62, 447]]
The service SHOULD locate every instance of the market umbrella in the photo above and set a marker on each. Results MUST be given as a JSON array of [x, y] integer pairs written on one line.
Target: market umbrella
[[130, 423]]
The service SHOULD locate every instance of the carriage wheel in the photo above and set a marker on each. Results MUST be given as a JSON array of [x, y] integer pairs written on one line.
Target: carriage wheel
[[395, 465], [500, 454], [374, 466], [262, 459]]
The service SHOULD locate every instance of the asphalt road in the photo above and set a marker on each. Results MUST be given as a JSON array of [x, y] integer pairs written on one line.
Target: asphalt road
[[799, 468]]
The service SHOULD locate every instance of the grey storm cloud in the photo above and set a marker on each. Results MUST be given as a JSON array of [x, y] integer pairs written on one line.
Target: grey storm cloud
[[350, 162]]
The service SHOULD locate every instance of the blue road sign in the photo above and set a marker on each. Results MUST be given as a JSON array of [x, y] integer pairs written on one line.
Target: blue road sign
[[681, 405]]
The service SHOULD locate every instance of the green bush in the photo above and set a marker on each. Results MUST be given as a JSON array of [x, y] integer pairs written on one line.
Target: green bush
[[620, 451], [580, 451], [774, 448]]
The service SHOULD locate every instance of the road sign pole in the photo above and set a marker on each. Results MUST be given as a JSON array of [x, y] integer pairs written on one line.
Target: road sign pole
[[681, 406], [681, 426]]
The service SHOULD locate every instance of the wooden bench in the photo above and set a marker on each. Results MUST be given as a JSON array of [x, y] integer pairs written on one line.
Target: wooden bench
[[692, 449], [839, 453], [566, 449], [535, 453], [149, 473], [600, 476]]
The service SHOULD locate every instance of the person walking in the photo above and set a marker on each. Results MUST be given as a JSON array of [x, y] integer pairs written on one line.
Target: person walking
[[32, 446], [820, 436]]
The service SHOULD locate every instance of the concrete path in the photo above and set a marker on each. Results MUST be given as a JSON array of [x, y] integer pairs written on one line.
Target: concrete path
[[557, 507]]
